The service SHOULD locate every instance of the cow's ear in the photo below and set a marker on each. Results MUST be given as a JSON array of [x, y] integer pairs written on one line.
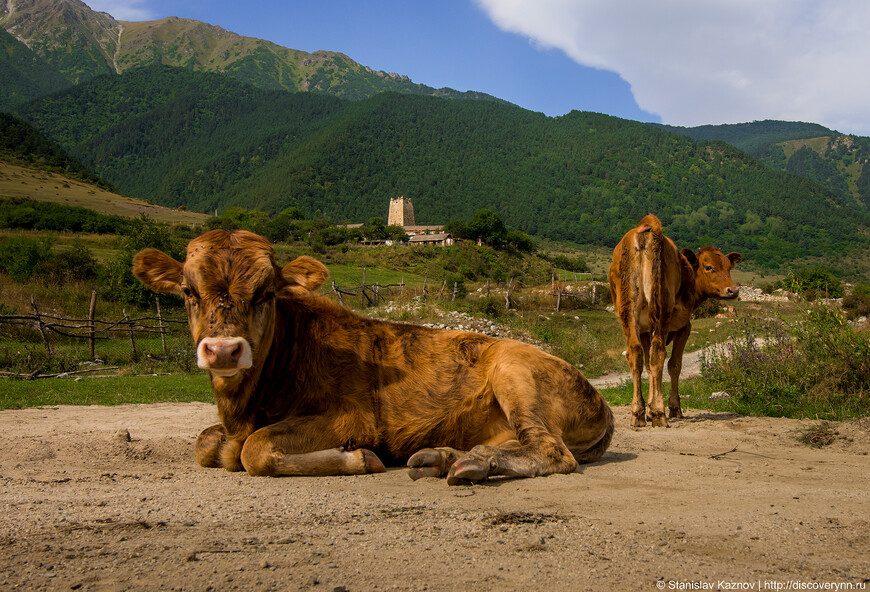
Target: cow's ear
[[690, 256], [158, 271], [735, 258], [305, 272]]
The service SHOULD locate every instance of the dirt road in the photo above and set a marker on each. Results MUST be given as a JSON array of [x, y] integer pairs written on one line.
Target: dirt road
[[715, 499]]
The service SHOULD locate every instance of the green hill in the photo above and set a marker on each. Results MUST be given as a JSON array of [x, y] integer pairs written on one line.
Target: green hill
[[834, 160], [177, 137], [34, 170]]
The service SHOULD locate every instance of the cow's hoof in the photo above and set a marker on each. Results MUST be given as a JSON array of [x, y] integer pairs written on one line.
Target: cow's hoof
[[638, 421], [475, 466], [675, 413], [659, 420], [432, 462], [428, 462], [372, 463]]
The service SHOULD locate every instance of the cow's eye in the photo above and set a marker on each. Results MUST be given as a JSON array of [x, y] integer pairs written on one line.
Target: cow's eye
[[188, 293], [708, 268], [265, 297]]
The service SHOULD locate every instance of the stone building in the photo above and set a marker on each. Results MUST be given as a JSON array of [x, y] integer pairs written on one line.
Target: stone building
[[401, 212]]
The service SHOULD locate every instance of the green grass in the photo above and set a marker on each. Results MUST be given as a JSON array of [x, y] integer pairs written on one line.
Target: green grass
[[181, 388], [350, 276]]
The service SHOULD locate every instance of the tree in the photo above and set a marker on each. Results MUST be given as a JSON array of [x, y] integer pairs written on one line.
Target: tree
[[486, 226]]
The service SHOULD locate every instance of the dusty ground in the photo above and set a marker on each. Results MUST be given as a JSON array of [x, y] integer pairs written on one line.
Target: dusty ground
[[715, 499]]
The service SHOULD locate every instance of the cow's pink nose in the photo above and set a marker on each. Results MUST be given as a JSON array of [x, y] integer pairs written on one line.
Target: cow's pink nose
[[218, 354], [232, 353]]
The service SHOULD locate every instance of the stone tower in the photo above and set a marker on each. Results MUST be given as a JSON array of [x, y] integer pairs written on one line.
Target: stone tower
[[401, 212]]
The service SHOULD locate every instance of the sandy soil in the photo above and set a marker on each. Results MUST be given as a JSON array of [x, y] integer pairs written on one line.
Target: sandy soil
[[715, 499]]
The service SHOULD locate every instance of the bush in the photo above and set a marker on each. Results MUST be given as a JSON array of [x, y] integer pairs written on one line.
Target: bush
[[857, 303], [76, 263], [816, 366], [709, 308], [117, 282], [814, 283], [20, 255]]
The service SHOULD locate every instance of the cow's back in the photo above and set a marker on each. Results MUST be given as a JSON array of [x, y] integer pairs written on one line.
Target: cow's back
[[645, 277]]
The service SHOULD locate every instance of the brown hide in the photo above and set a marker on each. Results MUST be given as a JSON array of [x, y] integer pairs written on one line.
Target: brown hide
[[305, 386], [655, 288]]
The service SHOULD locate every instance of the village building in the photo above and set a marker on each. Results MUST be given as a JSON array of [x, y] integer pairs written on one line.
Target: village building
[[401, 213], [441, 239]]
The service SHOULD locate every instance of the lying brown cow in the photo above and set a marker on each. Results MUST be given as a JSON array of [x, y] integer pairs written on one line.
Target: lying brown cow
[[305, 387], [655, 289]]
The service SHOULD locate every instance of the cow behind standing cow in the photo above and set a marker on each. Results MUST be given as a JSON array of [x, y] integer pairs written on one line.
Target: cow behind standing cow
[[304, 386], [655, 289]]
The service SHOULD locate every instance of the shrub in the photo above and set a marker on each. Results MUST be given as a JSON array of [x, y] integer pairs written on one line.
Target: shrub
[[817, 365], [709, 308], [76, 263], [117, 282], [857, 302], [20, 255], [814, 283]]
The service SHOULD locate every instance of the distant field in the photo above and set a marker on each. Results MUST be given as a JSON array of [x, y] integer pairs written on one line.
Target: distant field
[[18, 181], [817, 144]]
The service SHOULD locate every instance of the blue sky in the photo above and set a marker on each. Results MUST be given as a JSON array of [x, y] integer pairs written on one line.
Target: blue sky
[[682, 62]]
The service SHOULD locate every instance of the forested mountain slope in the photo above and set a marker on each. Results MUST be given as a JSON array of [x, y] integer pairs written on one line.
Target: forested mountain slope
[[80, 44], [24, 74], [205, 141], [834, 160]]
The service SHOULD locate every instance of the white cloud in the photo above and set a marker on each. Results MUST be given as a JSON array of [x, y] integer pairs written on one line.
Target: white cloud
[[124, 10], [696, 62]]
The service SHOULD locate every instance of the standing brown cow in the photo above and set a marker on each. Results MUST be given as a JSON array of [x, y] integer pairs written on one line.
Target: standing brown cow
[[655, 289], [306, 387]]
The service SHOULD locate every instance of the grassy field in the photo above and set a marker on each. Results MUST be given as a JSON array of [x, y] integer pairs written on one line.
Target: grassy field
[[114, 390], [32, 183]]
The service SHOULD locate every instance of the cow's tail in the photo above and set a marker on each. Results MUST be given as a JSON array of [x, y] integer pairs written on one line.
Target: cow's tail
[[649, 241], [597, 450]]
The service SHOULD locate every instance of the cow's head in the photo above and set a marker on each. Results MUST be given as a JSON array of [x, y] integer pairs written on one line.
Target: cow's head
[[230, 283], [713, 272]]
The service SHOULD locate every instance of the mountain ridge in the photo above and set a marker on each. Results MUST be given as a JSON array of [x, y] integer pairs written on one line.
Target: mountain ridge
[[82, 43]]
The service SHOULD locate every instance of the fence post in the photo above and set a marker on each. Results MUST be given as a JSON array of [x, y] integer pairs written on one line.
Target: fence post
[[41, 326], [337, 291], [454, 292], [160, 324], [425, 274], [507, 296], [441, 291], [92, 339], [363, 290], [559, 300], [132, 339], [487, 287]]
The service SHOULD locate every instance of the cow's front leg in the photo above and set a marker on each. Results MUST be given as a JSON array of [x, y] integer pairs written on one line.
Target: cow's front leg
[[675, 365], [214, 449], [432, 462], [305, 446], [512, 459]]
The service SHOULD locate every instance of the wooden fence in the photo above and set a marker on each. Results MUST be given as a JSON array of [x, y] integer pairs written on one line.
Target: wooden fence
[[93, 329]]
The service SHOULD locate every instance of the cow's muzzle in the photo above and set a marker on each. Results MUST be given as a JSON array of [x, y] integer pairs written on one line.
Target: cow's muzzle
[[730, 293], [224, 356]]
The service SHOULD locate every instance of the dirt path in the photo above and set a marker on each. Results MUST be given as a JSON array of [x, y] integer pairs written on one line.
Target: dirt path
[[716, 497], [690, 369]]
